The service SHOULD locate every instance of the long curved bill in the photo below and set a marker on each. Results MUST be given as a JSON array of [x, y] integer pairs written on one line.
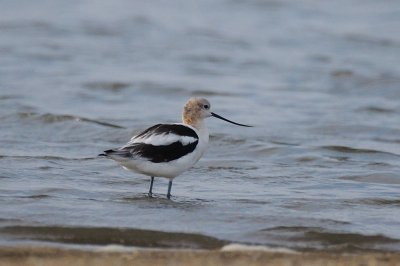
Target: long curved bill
[[222, 118]]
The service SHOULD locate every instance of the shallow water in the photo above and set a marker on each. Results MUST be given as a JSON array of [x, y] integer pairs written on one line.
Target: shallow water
[[320, 82]]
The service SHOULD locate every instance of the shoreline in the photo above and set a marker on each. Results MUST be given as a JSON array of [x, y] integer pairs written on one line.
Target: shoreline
[[236, 255]]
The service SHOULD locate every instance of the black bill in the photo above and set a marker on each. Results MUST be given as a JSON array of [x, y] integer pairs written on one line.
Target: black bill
[[220, 117]]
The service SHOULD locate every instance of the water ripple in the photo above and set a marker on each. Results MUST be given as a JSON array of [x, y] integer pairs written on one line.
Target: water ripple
[[347, 149], [380, 178], [106, 236], [309, 238], [54, 118]]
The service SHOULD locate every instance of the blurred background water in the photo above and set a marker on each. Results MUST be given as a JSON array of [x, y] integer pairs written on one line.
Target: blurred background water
[[320, 80]]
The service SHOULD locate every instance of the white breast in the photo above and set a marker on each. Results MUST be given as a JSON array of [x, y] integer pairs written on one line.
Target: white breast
[[174, 168]]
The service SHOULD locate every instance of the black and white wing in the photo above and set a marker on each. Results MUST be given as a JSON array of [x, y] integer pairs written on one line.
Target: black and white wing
[[159, 143]]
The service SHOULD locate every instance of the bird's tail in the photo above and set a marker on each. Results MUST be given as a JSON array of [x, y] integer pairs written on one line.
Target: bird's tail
[[106, 153]]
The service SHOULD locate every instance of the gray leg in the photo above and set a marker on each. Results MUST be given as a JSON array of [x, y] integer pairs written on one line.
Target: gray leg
[[151, 186], [169, 189]]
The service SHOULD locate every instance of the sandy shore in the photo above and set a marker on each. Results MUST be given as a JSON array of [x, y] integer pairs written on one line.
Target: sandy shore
[[12, 256]]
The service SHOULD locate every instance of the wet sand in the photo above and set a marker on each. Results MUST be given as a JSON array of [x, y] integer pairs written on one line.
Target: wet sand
[[10, 256]]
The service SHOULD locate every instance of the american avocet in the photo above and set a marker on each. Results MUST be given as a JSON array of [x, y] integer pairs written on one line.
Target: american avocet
[[167, 150]]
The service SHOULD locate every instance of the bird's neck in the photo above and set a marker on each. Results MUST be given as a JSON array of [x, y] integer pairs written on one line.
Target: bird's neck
[[196, 123], [202, 128], [200, 125]]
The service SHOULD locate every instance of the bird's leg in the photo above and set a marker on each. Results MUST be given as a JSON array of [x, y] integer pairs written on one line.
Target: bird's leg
[[151, 186], [169, 189]]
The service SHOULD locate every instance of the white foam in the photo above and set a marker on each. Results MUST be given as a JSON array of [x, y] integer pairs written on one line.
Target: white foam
[[241, 247], [116, 248]]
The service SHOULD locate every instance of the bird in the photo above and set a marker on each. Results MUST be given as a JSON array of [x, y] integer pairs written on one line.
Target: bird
[[168, 150]]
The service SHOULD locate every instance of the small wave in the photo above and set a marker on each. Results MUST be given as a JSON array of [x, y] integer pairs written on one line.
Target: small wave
[[38, 196], [347, 241], [9, 97], [215, 35], [285, 143], [265, 150], [362, 38], [53, 118], [30, 25], [208, 58], [251, 201], [375, 201], [227, 138], [380, 178], [211, 93], [158, 201], [387, 140], [377, 109], [342, 73], [307, 159], [319, 238], [106, 236], [107, 85], [98, 29], [143, 86], [346, 149], [48, 158]]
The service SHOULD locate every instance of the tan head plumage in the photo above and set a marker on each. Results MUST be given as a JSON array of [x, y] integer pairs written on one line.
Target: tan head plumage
[[195, 110]]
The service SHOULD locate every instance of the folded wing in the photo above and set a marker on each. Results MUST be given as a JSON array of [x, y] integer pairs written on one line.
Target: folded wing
[[158, 144]]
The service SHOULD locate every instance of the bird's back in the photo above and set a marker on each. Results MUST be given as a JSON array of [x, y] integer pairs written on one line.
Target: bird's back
[[161, 150]]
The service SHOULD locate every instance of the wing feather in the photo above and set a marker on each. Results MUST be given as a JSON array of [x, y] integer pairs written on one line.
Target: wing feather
[[159, 143], [165, 134]]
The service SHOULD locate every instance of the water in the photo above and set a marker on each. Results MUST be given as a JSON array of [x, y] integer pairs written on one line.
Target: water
[[319, 80]]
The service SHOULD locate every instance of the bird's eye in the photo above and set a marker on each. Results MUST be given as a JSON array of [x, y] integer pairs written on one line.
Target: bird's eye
[[206, 106]]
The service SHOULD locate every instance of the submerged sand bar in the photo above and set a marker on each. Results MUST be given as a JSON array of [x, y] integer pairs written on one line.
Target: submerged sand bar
[[27, 255]]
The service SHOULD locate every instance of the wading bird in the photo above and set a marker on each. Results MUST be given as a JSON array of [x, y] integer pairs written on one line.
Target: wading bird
[[167, 150]]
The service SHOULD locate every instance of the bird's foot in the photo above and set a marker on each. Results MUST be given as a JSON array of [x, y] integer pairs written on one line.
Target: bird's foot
[[150, 194]]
